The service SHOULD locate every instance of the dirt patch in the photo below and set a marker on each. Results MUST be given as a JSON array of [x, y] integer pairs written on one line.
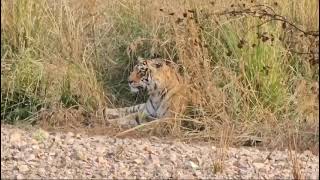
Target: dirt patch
[[39, 154]]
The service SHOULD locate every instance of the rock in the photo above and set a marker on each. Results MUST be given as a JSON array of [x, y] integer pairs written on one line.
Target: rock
[[35, 147], [23, 168], [30, 157], [69, 140], [258, 165], [70, 134], [138, 161], [155, 159], [19, 176], [193, 165], [307, 153], [41, 171], [186, 176], [33, 141], [15, 138], [173, 157], [243, 164], [80, 155], [100, 149], [99, 157], [53, 169], [101, 160], [42, 134], [78, 136]]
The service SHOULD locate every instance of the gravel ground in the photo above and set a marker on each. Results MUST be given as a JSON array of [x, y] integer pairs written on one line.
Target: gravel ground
[[39, 154]]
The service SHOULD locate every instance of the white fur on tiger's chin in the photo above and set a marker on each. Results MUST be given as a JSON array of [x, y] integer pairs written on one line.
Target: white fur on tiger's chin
[[134, 89]]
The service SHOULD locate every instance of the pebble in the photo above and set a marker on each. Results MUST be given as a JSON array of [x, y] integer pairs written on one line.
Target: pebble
[[19, 176], [80, 157], [15, 137], [30, 157], [23, 168]]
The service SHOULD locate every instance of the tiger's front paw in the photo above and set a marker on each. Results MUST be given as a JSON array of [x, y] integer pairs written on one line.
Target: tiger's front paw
[[123, 122]]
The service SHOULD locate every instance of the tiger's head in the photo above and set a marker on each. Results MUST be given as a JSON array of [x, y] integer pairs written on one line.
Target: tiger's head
[[144, 73]]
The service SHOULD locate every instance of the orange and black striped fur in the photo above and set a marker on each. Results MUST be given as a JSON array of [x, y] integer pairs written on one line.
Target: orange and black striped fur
[[165, 88]]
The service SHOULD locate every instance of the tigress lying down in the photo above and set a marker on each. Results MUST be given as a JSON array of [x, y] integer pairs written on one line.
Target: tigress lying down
[[165, 89]]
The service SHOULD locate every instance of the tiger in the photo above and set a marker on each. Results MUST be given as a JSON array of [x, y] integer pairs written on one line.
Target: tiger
[[165, 87]]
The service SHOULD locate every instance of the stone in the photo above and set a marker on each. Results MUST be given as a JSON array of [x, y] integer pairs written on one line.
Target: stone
[[23, 168], [193, 165], [258, 165], [30, 157], [19, 176], [15, 138]]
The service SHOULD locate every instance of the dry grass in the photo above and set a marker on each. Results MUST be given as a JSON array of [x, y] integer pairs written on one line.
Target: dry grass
[[293, 157], [65, 56], [224, 143]]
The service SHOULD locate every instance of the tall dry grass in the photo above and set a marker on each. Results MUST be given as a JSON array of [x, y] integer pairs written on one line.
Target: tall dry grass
[[242, 74]]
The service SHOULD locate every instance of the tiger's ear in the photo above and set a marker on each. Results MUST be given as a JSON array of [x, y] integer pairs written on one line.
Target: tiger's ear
[[154, 65], [168, 62], [158, 65]]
